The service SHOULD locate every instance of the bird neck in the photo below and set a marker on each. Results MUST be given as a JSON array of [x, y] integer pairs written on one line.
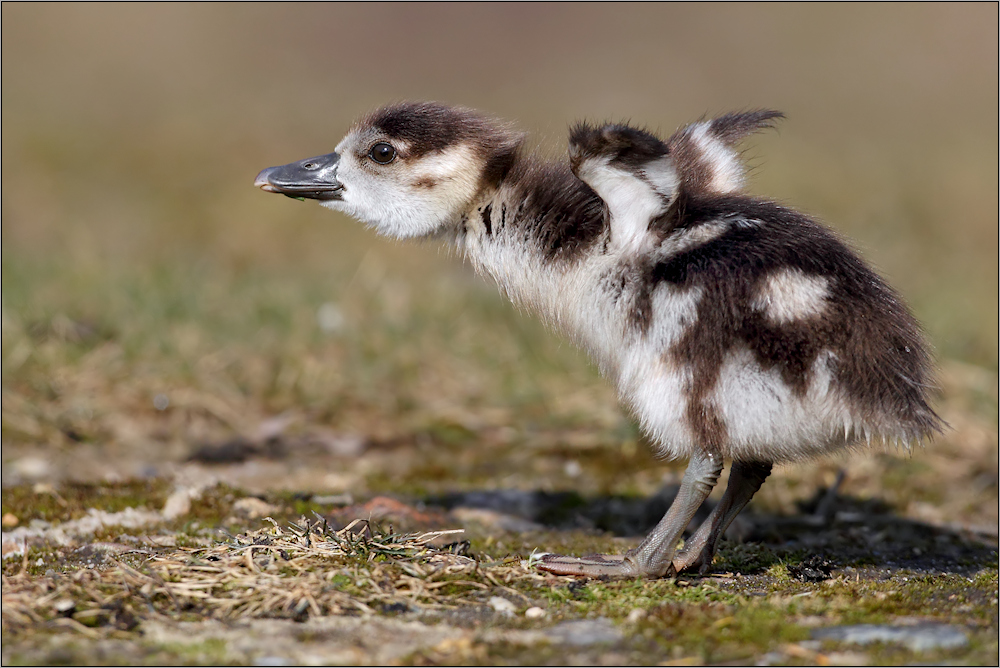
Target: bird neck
[[532, 232]]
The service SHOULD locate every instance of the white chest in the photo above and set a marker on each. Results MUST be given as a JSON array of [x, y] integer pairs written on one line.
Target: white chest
[[592, 299]]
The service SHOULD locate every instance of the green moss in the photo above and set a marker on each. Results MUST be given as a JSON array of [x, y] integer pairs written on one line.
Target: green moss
[[717, 632], [212, 507], [38, 561], [201, 652], [72, 500], [779, 574], [946, 597], [746, 558]]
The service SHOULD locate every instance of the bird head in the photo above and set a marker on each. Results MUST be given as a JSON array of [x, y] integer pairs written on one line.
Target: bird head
[[407, 170]]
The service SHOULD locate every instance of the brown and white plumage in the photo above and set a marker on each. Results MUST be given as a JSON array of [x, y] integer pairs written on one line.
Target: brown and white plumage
[[733, 327]]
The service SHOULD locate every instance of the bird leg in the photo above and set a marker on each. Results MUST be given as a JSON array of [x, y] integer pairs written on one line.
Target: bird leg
[[745, 478], [654, 555]]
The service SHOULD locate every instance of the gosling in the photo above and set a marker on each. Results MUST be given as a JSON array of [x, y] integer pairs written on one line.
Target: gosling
[[732, 327]]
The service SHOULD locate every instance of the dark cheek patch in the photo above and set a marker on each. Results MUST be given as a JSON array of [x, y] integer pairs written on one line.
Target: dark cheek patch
[[425, 183]]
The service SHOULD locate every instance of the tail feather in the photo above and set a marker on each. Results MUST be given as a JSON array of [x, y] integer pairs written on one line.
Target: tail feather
[[733, 127], [705, 153]]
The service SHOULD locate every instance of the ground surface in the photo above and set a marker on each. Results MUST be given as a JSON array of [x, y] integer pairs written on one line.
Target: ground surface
[[329, 590], [184, 356], [185, 568]]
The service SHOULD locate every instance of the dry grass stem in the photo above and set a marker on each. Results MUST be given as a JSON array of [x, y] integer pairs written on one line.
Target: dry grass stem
[[304, 569]]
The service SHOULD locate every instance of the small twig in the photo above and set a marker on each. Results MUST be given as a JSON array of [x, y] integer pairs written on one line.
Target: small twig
[[76, 626]]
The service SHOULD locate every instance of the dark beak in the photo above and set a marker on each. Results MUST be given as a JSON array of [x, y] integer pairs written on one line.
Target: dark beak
[[312, 178]]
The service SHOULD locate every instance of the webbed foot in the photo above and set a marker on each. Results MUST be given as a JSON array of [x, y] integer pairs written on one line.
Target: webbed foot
[[653, 557], [591, 566]]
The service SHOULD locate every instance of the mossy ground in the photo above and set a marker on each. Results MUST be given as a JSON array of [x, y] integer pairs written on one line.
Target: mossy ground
[[90, 602]]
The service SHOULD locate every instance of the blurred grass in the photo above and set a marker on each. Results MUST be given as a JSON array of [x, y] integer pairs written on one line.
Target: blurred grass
[[139, 261], [130, 133]]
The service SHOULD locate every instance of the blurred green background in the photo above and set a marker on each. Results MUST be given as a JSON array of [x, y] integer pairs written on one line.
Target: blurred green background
[[139, 261]]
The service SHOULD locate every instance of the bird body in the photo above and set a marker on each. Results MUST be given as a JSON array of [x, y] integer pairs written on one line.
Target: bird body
[[732, 327]]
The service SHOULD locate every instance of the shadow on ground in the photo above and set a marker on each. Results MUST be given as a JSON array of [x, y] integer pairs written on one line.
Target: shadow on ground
[[831, 532]]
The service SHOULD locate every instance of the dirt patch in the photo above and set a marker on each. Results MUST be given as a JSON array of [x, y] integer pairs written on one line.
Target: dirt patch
[[306, 592]]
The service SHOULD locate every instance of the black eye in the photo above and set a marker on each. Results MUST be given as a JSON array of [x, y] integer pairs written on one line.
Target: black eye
[[382, 153]]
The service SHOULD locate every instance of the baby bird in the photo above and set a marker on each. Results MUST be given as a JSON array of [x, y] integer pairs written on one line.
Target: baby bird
[[732, 327]]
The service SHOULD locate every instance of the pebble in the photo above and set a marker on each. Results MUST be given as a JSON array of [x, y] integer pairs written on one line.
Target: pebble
[[64, 606], [254, 508], [502, 605], [584, 632], [636, 615], [494, 519], [344, 499], [178, 503], [917, 638], [330, 318], [10, 520], [848, 659], [534, 613], [31, 468], [771, 659]]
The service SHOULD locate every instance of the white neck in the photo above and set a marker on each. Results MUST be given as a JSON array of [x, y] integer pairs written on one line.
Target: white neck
[[563, 290]]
